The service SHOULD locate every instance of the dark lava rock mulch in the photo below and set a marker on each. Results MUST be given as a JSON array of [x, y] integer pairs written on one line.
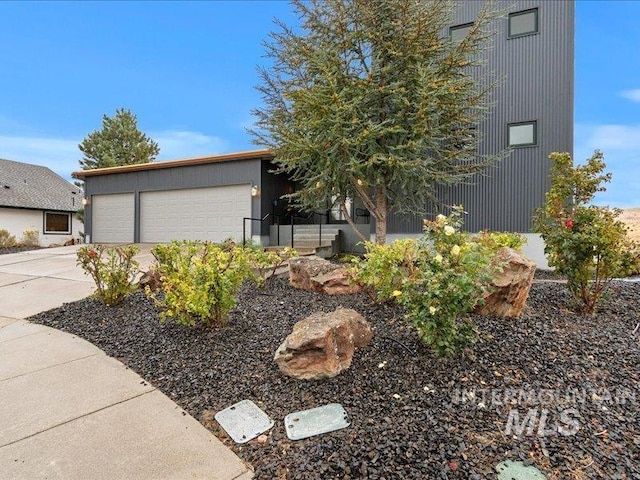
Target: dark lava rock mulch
[[573, 380], [5, 250]]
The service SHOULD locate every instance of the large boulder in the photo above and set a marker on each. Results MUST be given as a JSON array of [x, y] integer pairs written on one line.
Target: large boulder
[[512, 280], [316, 274], [322, 345]]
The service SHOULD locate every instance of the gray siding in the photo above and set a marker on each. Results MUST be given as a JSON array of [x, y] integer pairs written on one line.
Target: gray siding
[[538, 85], [175, 178]]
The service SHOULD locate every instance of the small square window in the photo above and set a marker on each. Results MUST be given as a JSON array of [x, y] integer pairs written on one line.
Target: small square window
[[523, 23], [522, 134], [57, 223], [459, 32]]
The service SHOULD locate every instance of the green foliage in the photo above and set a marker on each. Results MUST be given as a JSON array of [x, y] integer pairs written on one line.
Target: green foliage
[[6, 239], [384, 268], [200, 281], [30, 238], [371, 100], [113, 269], [586, 243], [266, 262], [496, 240], [438, 279], [119, 142]]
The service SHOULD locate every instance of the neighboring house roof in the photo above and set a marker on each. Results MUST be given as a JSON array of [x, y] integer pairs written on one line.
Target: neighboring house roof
[[263, 154], [23, 185]]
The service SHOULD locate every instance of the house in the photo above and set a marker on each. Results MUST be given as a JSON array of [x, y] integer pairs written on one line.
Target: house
[[210, 197], [33, 197]]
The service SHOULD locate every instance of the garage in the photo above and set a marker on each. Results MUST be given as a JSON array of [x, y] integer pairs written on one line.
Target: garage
[[113, 218], [213, 213]]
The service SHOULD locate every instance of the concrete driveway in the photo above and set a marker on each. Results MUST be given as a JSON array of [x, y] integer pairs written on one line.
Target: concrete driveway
[[68, 411]]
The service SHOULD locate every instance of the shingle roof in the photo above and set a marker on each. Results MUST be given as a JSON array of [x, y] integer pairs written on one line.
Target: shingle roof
[[24, 185]]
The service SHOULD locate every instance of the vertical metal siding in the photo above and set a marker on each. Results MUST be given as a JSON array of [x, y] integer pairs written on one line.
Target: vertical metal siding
[[538, 85]]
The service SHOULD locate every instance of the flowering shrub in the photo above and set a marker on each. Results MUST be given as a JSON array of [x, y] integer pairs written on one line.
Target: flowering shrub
[[200, 281], [6, 239], [452, 273], [438, 279], [584, 242], [113, 269]]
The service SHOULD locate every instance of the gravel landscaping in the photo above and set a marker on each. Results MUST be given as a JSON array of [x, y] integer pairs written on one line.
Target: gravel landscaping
[[413, 415], [5, 250]]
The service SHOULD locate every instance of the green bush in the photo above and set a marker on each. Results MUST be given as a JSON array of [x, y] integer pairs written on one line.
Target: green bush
[[266, 262], [200, 281], [584, 242], [31, 238], [113, 269], [6, 239], [497, 240], [439, 279]]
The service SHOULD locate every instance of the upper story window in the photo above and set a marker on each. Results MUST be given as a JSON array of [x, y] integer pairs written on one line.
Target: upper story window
[[522, 134], [459, 32], [523, 23]]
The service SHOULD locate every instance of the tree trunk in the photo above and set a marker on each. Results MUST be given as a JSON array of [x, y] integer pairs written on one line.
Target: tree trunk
[[381, 214]]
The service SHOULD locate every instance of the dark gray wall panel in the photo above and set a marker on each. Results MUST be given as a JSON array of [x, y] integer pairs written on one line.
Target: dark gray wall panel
[[538, 83]]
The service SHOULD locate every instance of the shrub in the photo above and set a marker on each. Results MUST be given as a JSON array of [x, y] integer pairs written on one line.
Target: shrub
[[266, 262], [496, 240], [6, 239], [31, 238], [200, 281], [586, 243], [113, 269], [439, 279], [384, 268]]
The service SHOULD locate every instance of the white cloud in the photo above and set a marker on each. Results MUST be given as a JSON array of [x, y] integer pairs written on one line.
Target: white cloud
[[175, 144], [60, 155], [633, 95], [620, 145]]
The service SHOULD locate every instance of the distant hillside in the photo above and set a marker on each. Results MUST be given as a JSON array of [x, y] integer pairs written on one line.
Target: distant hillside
[[631, 216]]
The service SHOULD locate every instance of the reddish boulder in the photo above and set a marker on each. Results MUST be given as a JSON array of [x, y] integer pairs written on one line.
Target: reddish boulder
[[319, 275], [322, 345], [512, 280]]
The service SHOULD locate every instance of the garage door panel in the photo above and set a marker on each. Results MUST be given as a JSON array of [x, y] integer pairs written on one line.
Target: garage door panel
[[213, 213], [112, 218]]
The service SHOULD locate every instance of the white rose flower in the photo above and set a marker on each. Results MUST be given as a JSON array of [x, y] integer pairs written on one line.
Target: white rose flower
[[441, 218], [449, 230], [438, 258], [432, 310], [455, 250]]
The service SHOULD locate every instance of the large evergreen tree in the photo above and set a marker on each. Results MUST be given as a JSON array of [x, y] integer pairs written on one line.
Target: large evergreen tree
[[119, 142], [373, 99]]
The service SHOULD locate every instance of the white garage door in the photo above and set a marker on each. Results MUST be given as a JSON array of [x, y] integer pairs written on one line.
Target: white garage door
[[112, 218], [213, 213]]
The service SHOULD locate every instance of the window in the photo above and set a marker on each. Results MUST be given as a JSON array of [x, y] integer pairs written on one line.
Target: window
[[522, 134], [523, 23], [57, 222], [459, 32]]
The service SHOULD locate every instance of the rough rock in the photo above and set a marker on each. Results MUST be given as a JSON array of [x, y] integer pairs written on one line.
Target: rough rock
[[69, 242], [512, 280], [322, 345], [152, 279], [316, 274]]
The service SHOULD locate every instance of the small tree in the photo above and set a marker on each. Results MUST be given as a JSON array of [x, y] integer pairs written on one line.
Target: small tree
[[374, 100], [584, 242], [119, 142]]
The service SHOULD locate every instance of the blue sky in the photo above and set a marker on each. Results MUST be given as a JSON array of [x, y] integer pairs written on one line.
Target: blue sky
[[188, 70]]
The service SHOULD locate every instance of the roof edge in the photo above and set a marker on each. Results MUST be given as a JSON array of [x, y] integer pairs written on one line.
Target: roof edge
[[263, 154]]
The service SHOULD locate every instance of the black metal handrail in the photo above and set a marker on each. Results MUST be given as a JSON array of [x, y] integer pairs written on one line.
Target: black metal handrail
[[312, 215], [263, 219]]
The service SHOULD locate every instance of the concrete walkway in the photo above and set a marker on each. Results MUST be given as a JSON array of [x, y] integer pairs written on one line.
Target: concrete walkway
[[68, 411]]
